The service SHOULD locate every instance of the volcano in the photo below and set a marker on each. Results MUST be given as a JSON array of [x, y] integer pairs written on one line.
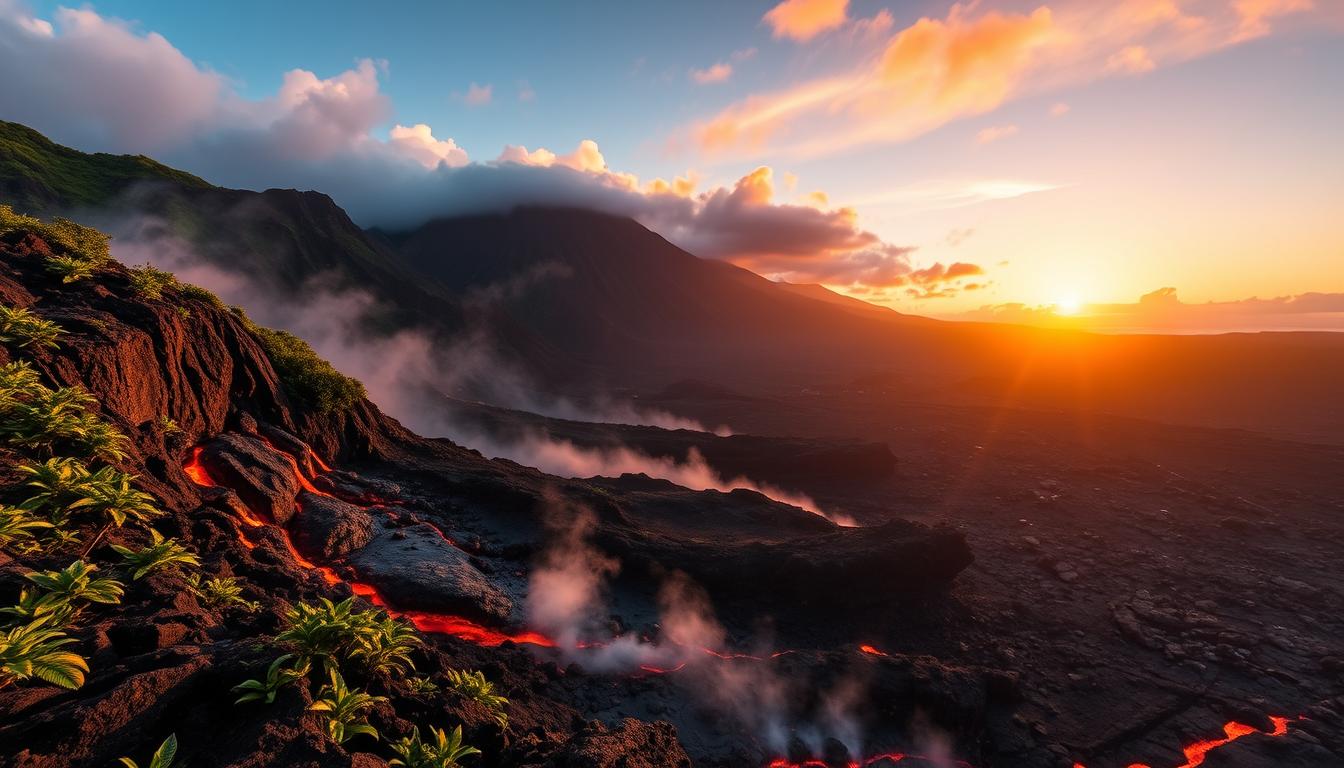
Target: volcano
[[1044, 564]]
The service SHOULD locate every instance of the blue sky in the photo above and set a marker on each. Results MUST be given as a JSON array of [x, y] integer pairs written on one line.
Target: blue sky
[[1125, 146]]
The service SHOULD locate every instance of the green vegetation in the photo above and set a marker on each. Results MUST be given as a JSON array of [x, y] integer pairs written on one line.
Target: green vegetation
[[163, 756], [38, 418], [278, 675], [71, 269], [160, 553], [149, 281], [421, 686], [386, 648], [19, 525], [65, 486], [474, 686], [198, 293], [44, 173], [79, 249], [344, 708], [444, 752], [306, 376], [336, 632], [36, 651], [21, 328], [60, 595], [221, 593]]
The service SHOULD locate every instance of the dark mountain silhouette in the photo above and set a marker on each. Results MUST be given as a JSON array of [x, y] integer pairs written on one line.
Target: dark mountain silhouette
[[586, 302]]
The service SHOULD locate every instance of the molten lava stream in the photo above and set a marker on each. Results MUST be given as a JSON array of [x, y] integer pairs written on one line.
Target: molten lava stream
[[1196, 753], [457, 626]]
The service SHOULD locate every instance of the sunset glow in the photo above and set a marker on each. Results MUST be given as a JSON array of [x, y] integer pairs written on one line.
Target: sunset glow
[[933, 157]]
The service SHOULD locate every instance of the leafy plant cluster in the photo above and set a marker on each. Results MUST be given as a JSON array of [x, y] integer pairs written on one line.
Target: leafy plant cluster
[[369, 643], [149, 281], [21, 328], [82, 250], [44, 420], [64, 492], [305, 375]]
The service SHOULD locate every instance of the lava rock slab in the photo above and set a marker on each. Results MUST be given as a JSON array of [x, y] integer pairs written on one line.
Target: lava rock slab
[[417, 569]]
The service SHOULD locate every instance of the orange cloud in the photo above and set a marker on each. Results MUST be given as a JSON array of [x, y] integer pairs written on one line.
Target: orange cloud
[[1131, 60], [972, 61], [419, 143], [803, 20], [716, 73]]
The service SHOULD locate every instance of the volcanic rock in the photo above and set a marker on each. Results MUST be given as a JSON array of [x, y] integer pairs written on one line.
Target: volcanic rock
[[261, 476], [420, 570], [632, 744], [329, 528]]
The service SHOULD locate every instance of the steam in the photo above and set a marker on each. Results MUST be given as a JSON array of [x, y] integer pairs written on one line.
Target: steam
[[567, 598]]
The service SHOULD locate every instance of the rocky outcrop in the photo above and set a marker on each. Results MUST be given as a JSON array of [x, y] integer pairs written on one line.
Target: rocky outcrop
[[265, 479], [329, 528], [425, 572]]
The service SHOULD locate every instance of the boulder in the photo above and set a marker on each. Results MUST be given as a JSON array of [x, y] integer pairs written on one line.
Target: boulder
[[264, 478], [328, 528], [418, 569]]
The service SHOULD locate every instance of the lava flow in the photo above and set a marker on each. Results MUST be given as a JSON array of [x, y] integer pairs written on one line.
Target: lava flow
[[457, 626], [1196, 753]]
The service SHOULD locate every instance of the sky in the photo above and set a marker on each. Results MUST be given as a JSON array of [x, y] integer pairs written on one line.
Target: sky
[[1043, 162]]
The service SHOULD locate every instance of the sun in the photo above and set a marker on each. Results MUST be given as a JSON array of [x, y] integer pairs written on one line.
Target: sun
[[1068, 305]]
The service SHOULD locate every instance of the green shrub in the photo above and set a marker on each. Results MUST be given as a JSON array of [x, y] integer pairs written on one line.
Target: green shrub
[[277, 676], [344, 708], [35, 417], [35, 650], [63, 594], [77, 240], [221, 593], [149, 281], [70, 268], [19, 525], [160, 553], [444, 752], [474, 686], [327, 631], [21, 328], [306, 377], [387, 647], [163, 756], [421, 686], [198, 293]]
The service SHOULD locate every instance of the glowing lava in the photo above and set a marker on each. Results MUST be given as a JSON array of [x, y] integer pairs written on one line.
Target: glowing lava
[[1232, 730]]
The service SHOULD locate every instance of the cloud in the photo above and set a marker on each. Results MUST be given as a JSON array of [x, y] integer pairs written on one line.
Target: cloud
[[478, 95], [1059, 109], [100, 85], [972, 61], [715, 73], [418, 142], [1131, 60], [525, 92], [802, 20], [995, 132], [1162, 311]]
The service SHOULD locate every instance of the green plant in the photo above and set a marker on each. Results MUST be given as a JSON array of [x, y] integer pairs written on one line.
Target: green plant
[[306, 376], [110, 494], [64, 590], [44, 419], [198, 293], [35, 650], [344, 708], [474, 686], [444, 752], [220, 592], [149, 281], [326, 630], [421, 686], [18, 524], [277, 676], [167, 426], [22, 328], [70, 268], [163, 756], [61, 485], [160, 553], [386, 647]]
